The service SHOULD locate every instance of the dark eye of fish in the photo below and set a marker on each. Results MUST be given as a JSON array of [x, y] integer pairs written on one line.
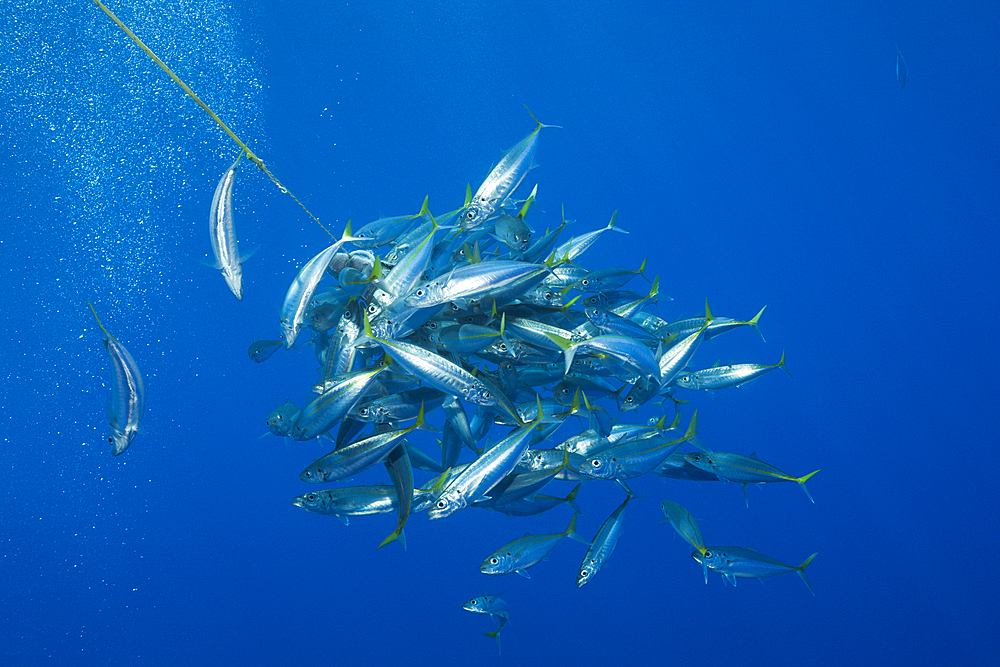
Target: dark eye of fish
[[420, 292], [110, 439], [441, 504], [708, 554], [311, 497], [494, 560]]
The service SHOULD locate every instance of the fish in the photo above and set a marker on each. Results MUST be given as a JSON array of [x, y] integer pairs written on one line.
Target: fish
[[738, 563], [222, 232], [602, 546], [900, 69], [744, 470], [261, 350], [684, 524], [502, 181], [300, 292], [128, 392], [495, 607], [724, 377], [520, 554], [483, 474]]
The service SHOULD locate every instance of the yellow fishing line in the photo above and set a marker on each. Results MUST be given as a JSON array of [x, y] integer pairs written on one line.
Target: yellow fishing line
[[250, 154]]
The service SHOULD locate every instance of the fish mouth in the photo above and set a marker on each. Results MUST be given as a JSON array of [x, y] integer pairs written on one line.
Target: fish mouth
[[298, 502]]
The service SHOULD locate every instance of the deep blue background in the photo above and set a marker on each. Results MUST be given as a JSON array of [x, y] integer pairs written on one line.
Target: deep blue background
[[757, 153]]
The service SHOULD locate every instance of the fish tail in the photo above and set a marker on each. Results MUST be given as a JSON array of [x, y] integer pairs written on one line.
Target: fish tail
[[642, 269], [654, 290], [496, 635], [611, 225], [801, 569], [393, 537], [802, 482], [753, 324], [708, 314], [570, 499], [781, 364], [540, 123]]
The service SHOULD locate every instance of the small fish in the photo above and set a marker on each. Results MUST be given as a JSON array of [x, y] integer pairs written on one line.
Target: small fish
[[128, 393], [495, 607], [737, 562], [724, 377], [502, 181], [520, 554], [261, 350], [223, 233], [900, 69], [684, 524], [282, 418], [744, 470], [603, 545]]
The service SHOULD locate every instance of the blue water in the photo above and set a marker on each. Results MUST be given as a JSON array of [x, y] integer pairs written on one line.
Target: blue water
[[758, 154]]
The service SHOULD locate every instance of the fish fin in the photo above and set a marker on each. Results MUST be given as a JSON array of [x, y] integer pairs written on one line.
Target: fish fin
[[570, 499], [746, 496], [528, 201], [781, 364], [468, 193], [250, 253], [611, 225], [264, 435], [802, 483], [523, 573], [801, 569], [345, 519], [642, 269], [496, 635], [753, 323], [731, 577], [393, 537]]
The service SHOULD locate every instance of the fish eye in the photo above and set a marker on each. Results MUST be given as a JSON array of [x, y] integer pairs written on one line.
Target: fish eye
[[548, 295], [308, 474], [470, 215], [364, 412], [596, 463], [311, 497], [696, 457], [708, 554], [502, 347], [584, 282], [420, 292], [110, 439], [494, 560], [486, 394], [441, 504], [372, 308], [584, 573]]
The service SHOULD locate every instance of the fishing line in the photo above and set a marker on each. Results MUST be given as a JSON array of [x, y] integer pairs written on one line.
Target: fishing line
[[250, 154]]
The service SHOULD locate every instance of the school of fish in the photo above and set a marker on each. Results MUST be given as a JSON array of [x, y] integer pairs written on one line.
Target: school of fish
[[471, 325]]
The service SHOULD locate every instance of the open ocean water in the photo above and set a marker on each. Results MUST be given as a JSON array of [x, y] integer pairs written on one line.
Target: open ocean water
[[757, 154]]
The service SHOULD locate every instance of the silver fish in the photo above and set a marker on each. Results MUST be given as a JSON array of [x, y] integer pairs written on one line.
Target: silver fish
[[223, 233], [128, 393]]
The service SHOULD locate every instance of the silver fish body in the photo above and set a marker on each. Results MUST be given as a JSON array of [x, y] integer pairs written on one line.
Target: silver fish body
[[128, 393], [223, 233]]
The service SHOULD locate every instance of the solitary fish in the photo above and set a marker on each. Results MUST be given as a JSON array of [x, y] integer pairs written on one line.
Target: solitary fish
[[495, 607], [733, 562], [128, 394], [223, 233], [900, 69]]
